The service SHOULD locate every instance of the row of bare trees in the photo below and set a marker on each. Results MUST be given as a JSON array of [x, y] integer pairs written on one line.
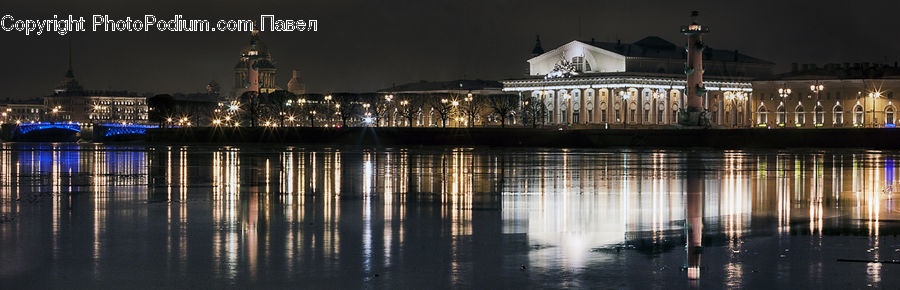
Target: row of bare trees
[[283, 108]]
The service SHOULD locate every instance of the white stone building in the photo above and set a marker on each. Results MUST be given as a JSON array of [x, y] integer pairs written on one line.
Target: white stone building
[[589, 83]]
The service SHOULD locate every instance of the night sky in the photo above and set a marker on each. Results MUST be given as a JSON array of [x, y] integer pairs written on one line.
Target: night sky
[[366, 45]]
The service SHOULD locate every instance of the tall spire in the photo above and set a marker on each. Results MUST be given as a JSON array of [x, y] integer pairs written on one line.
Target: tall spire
[[537, 47], [68, 85], [69, 72]]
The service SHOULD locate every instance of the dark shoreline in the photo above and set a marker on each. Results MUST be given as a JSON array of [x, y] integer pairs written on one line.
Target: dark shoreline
[[529, 137]]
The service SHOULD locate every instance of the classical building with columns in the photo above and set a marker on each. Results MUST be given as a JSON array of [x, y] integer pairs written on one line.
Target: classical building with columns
[[635, 85], [830, 96]]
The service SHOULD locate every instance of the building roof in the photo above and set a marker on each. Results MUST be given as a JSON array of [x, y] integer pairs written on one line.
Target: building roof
[[657, 47], [461, 85]]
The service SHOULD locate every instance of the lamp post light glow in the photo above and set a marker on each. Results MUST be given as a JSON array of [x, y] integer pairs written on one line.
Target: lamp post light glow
[[784, 93], [874, 95]]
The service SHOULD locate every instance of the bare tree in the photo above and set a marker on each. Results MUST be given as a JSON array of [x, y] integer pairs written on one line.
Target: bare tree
[[441, 105], [504, 106], [346, 107], [379, 106], [535, 112], [471, 107], [409, 108]]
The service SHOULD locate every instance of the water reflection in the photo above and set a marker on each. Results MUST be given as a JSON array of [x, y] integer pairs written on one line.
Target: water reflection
[[461, 217]]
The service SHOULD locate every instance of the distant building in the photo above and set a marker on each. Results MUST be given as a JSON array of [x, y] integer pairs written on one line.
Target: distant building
[[264, 64], [296, 85], [830, 96], [22, 111], [641, 83], [70, 102]]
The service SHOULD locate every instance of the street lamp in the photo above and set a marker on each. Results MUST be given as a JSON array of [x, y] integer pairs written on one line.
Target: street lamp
[[873, 96], [816, 88], [784, 93]]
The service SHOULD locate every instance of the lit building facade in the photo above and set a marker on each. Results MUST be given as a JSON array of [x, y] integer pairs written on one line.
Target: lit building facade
[[263, 64], [833, 96], [641, 84], [21, 113], [72, 103]]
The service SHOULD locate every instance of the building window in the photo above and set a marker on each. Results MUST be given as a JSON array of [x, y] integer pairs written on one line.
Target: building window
[[780, 116], [646, 115], [563, 117], [838, 115], [889, 115], [820, 116], [578, 63], [631, 117], [575, 117], [659, 116], [618, 116], [799, 116], [603, 115], [590, 116], [858, 116]]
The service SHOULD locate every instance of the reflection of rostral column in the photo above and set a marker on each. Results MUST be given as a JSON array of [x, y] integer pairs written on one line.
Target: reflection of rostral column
[[694, 220], [694, 70]]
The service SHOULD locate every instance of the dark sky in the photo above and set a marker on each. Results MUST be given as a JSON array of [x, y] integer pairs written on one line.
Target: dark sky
[[365, 45]]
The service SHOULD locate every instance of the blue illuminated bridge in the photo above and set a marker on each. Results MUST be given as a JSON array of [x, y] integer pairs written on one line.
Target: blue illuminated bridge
[[110, 130], [69, 131], [26, 128]]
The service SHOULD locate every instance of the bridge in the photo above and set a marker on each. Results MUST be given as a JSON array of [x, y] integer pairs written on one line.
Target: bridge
[[110, 129], [22, 129]]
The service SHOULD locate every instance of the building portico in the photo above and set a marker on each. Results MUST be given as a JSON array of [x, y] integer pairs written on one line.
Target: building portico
[[620, 100]]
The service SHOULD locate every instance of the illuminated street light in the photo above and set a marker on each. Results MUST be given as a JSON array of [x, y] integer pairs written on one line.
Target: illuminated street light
[[784, 93]]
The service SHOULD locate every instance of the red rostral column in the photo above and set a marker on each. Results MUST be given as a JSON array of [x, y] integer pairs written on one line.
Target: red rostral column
[[694, 70], [252, 70]]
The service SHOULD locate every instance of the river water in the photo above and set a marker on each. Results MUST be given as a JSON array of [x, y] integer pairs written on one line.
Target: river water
[[98, 216]]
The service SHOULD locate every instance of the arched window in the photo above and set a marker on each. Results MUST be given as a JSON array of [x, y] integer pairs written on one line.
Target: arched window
[[646, 113], [799, 116], [889, 116], [838, 115], [858, 115], [820, 115], [603, 118], [661, 114], [763, 115], [618, 108], [780, 115], [674, 118]]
